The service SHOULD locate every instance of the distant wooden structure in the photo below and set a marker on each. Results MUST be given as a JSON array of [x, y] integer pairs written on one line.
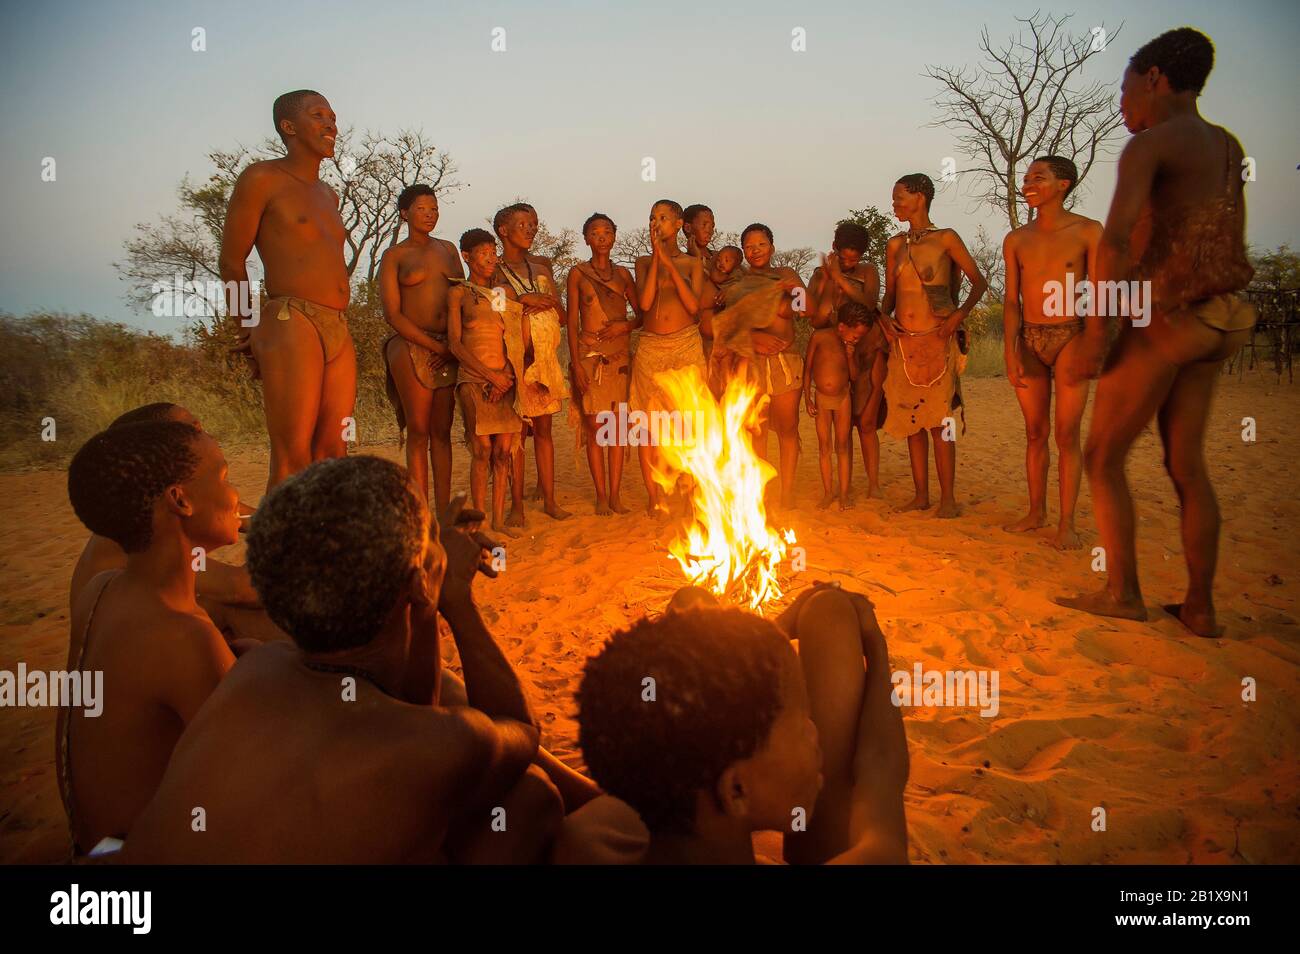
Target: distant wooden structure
[[1276, 335]]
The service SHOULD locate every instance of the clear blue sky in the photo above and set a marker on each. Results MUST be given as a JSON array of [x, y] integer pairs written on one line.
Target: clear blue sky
[[731, 115]]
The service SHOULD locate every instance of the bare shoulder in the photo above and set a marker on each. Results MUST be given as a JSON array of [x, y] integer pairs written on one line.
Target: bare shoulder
[[623, 270], [896, 242], [456, 742], [541, 260], [447, 248]]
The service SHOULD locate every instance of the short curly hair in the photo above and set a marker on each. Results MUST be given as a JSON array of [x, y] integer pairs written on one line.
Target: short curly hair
[[330, 550], [116, 477], [852, 235], [1062, 168], [717, 683], [1184, 55], [158, 411]]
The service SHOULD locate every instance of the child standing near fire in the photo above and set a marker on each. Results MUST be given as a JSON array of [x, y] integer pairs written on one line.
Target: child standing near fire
[[830, 366], [532, 280], [600, 331]]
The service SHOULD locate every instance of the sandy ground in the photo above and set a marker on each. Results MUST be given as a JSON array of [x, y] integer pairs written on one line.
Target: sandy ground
[[1138, 718]]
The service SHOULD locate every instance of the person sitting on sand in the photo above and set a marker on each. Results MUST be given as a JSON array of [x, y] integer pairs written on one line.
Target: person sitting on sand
[[299, 344], [337, 749], [600, 330], [487, 333], [1057, 249], [532, 280], [159, 490], [219, 585], [415, 277], [741, 734], [923, 269], [1177, 224], [669, 287], [829, 368]]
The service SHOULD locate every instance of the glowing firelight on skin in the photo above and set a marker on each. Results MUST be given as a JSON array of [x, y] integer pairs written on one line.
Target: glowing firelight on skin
[[727, 545]]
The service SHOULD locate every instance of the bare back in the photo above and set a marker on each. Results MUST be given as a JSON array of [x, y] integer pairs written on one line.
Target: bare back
[[1189, 238], [291, 766]]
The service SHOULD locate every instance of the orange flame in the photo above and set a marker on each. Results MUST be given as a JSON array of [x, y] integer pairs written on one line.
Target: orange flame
[[727, 545]]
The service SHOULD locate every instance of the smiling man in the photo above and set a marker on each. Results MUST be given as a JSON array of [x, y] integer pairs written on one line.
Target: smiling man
[[299, 343]]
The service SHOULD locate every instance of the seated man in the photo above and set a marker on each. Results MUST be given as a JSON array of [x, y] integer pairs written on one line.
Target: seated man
[[737, 734], [336, 750], [157, 491], [221, 587]]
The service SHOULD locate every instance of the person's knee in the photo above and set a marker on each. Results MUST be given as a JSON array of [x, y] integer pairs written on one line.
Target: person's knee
[[481, 451], [1185, 470], [825, 610], [1067, 438], [536, 805], [502, 455], [1037, 433], [1101, 455], [843, 444]]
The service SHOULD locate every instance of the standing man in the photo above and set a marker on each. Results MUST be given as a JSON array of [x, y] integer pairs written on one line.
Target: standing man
[[1177, 226], [299, 342], [1045, 261]]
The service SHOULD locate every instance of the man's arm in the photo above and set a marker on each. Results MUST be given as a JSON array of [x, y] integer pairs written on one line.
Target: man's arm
[[808, 376], [647, 270], [1011, 313], [248, 201]]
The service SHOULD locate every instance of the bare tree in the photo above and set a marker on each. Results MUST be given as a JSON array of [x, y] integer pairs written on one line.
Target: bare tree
[[1026, 99], [368, 172]]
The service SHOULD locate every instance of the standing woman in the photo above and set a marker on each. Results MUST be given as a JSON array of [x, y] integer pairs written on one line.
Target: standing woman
[[776, 364], [414, 276]]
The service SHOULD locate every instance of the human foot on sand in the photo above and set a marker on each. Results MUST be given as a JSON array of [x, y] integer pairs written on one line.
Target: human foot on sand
[[1199, 621], [505, 530], [827, 500], [846, 502], [556, 512], [516, 517], [602, 507], [1103, 604], [947, 509], [916, 503], [616, 505], [1067, 538], [1031, 521]]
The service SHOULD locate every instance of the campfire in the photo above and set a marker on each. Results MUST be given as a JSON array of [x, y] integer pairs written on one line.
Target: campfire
[[727, 545]]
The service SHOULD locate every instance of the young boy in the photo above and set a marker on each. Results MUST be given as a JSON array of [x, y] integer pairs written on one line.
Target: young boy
[[870, 367], [1056, 249], [159, 490], [532, 280], [487, 334], [923, 269], [829, 367], [599, 334]]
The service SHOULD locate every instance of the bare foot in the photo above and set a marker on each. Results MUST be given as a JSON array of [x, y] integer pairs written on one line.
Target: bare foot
[[505, 530], [873, 493], [1031, 521], [616, 505], [826, 501], [516, 517], [1103, 604], [537, 493], [947, 509], [1200, 622], [846, 501], [602, 507], [916, 503], [556, 512], [1067, 538]]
